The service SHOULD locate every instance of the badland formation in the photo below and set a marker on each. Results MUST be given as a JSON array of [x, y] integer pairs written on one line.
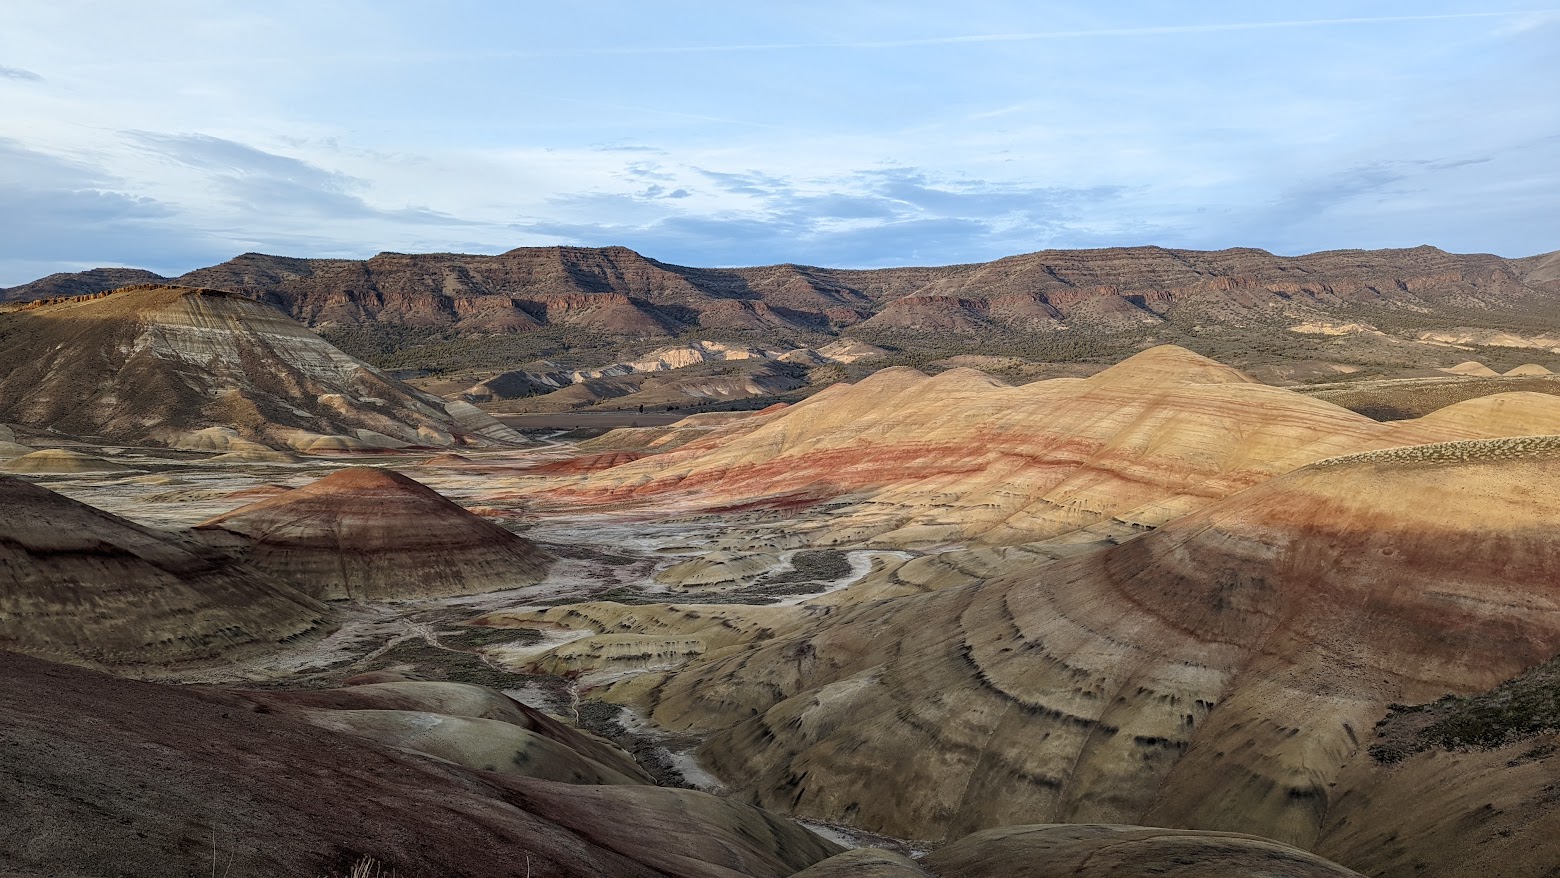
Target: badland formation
[[570, 562]]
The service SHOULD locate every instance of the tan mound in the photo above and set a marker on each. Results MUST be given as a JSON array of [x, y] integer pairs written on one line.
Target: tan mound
[[588, 463], [9, 450], [60, 462], [446, 460], [467, 725], [262, 456], [1221, 672], [218, 439], [259, 492], [368, 534], [717, 569], [459, 700], [1092, 851], [484, 744], [1173, 363], [364, 441], [919, 461], [865, 863], [1519, 413], [154, 778], [1528, 369], [710, 425], [1396, 820], [1473, 369], [79, 584]]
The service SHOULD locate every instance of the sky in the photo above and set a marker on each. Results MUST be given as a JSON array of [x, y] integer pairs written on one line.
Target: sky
[[169, 135]]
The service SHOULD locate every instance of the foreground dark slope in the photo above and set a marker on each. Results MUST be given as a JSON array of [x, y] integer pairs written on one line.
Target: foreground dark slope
[[100, 775], [106, 776]]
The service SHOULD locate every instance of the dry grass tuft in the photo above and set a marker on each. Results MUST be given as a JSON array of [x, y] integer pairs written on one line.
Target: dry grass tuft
[[1464, 451]]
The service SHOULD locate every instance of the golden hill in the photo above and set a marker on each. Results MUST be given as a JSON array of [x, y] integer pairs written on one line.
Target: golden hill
[[919, 460]]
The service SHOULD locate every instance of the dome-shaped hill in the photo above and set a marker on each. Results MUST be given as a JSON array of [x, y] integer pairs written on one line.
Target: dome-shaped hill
[[1528, 369], [964, 377], [59, 462], [78, 584], [365, 533], [443, 460], [1519, 413], [1222, 672], [960, 457], [10, 450], [1168, 362], [1472, 369]]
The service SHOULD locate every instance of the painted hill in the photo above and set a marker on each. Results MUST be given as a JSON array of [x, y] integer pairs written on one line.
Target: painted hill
[[370, 534], [1224, 672], [911, 460], [161, 364], [78, 584]]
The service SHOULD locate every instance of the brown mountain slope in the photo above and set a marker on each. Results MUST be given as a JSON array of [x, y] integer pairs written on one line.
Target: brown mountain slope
[[79, 283], [1223, 672], [78, 584], [1143, 281], [161, 364], [371, 534], [960, 456], [1056, 299], [1541, 269]]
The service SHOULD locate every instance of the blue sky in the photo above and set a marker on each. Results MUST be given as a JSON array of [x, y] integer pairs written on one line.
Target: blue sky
[[168, 135]]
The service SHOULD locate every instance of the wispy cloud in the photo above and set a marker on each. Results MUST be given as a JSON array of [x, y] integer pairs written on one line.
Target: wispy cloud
[[1525, 19], [19, 74], [262, 182], [881, 216]]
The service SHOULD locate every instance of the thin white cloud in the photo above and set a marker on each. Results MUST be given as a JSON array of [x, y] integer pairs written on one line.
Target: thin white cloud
[[19, 74], [1527, 19]]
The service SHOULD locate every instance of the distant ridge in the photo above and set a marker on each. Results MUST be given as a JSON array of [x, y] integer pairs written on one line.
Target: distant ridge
[[616, 291]]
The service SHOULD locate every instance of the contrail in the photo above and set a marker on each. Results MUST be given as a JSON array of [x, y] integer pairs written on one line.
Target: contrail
[[1031, 36]]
